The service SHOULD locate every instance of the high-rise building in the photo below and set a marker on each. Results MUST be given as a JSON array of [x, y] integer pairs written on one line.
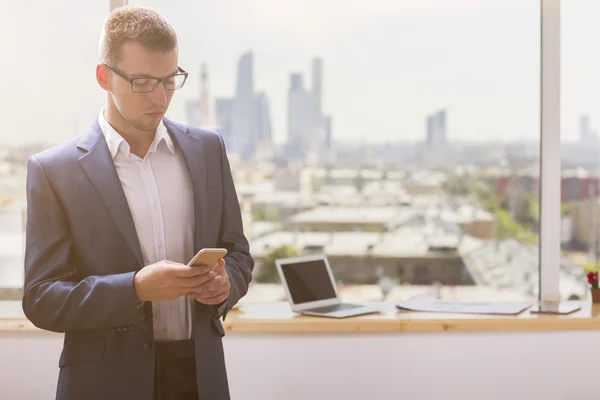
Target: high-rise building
[[263, 114], [243, 112], [300, 117], [436, 149], [309, 131], [317, 85], [196, 109], [436, 131], [328, 138], [264, 149], [250, 113], [588, 142], [223, 116], [437, 140], [587, 136]]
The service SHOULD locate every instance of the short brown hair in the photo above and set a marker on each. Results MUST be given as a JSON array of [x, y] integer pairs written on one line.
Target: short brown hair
[[140, 24]]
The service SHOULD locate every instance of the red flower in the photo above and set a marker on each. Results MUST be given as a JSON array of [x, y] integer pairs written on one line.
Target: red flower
[[592, 277]]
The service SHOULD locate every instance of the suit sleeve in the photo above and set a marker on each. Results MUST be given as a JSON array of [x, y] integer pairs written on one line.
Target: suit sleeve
[[55, 295], [238, 261]]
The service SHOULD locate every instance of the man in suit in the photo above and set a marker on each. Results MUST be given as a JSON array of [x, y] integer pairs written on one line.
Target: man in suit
[[113, 218]]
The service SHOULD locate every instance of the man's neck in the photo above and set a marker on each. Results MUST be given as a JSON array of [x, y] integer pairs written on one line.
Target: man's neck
[[139, 141]]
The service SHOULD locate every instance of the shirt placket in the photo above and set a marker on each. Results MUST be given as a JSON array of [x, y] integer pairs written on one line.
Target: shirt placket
[[158, 229], [156, 211]]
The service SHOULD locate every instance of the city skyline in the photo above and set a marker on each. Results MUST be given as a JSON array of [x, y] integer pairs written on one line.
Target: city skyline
[[388, 65]]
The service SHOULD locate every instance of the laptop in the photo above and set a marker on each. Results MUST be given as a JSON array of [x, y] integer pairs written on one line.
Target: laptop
[[311, 288]]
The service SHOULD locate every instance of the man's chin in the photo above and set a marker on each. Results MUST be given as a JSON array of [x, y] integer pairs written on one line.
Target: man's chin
[[148, 126]]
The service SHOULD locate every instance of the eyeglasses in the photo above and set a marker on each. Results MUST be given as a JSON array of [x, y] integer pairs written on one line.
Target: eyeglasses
[[147, 84]]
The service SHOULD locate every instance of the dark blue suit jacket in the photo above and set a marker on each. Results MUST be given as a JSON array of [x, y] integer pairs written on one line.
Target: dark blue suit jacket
[[82, 252]]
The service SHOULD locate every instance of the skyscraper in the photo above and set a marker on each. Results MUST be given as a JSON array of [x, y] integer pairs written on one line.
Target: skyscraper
[[587, 136], [196, 109], [308, 129], [437, 140], [589, 146], [300, 117], [223, 116], [243, 111], [328, 138], [263, 114], [245, 120], [317, 86]]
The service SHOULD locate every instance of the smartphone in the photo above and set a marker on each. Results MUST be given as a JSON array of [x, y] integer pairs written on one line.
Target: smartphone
[[555, 308], [208, 257]]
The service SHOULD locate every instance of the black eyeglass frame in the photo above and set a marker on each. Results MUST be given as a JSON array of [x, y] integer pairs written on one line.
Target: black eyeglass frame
[[131, 80]]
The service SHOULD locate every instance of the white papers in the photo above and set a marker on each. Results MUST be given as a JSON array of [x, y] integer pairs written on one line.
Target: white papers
[[432, 304]]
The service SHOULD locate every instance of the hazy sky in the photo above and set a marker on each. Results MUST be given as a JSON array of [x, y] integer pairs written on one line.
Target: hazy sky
[[387, 64]]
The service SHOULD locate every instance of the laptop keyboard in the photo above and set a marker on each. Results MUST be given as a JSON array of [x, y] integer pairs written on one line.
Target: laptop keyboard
[[335, 307]]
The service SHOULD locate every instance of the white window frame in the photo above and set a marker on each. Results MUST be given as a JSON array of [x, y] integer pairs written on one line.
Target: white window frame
[[550, 150], [550, 153]]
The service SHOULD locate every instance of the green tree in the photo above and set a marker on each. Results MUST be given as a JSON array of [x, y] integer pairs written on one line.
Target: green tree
[[267, 273], [266, 214], [566, 209], [533, 210], [507, 226], [460, 185]]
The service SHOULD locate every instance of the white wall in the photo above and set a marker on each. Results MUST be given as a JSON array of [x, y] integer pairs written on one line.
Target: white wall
[[534, 365]]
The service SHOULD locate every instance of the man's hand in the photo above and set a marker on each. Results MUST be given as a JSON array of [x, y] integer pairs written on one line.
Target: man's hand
[[215, 290], [167, 280]]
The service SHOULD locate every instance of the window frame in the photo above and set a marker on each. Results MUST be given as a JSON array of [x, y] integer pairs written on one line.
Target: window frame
[[550, 152]]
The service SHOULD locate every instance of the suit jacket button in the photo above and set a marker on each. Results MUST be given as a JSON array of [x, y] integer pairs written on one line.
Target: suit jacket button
[[147, 346]]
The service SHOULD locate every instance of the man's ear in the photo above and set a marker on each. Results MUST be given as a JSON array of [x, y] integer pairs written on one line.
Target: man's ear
[[103, 77]]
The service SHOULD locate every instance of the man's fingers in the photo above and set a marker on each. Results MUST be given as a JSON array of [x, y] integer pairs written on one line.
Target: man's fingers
[[210, 300], [189, 282], [210, 286], [188, 271], [220, 266]]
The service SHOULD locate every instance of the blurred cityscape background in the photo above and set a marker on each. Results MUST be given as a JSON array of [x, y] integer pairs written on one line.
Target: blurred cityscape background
[[448, 206]]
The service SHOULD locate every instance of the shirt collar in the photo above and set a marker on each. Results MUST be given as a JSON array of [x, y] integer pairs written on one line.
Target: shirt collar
[[117, 143]]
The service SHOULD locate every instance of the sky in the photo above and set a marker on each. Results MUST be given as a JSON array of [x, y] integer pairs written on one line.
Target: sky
[[387, 64]]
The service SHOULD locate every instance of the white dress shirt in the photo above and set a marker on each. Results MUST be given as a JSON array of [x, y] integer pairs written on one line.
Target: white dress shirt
[[160, 195]]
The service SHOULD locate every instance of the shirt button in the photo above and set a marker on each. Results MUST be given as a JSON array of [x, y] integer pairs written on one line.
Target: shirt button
[[147, 346], [155, 204], [160, 245]]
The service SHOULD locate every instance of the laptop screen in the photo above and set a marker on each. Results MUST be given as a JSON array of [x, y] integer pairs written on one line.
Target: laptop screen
[[308, 281]]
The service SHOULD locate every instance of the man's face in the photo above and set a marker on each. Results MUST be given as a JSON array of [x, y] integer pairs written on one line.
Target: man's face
[[142, 111]]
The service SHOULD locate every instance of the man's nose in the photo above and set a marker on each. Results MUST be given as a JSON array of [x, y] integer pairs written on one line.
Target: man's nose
[[159, 95]]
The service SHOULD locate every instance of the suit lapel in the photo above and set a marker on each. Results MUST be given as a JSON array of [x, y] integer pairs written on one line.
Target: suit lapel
[[193, 152], [100, 169]]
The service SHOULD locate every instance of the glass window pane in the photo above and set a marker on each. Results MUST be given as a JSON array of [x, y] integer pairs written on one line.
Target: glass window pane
[[49, 95], [580, 125], [399, 138]]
